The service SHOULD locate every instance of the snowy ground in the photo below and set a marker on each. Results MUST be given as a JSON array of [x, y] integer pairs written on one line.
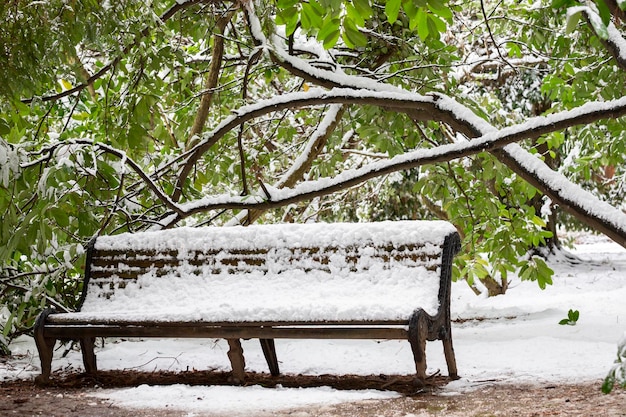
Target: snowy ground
[[508, 339]]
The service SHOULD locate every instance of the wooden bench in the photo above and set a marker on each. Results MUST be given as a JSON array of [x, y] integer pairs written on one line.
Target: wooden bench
[[387, 280]]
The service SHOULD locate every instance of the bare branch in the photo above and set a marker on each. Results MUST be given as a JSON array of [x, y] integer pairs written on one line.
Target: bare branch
[[495, 44]]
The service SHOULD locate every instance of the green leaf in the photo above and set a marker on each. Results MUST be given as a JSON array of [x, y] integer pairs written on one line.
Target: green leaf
[[135, 136], [331, 39], [354, 16], [440, 9], [8, 325], [572, 318], [363, 7], [440, 25], [604, 11], [284, 4], [557, 4], [410, 8], [392, 8], [599, 27], [609, 382], [311, 16], [572, 21], [514, 50], [421, 24], [334, 6], [544, 273], [290, 18], [60, 216], [329, 32], [352, 36]]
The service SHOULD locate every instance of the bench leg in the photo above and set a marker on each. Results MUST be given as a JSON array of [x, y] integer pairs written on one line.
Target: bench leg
[[448, 350], [237, 361], [45, 347], [418, 333], [269, 351], [89, 357]]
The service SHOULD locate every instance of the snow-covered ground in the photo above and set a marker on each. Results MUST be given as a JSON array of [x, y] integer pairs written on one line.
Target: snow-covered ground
[[508, 339]]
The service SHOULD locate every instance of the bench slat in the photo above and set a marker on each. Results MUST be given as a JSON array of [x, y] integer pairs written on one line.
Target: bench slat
[[322, 331]]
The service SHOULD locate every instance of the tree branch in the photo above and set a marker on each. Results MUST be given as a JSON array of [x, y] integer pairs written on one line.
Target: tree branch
[[122, 156], [212, 78], [615, 44], [602, 216], [303, 163], [210, 84]]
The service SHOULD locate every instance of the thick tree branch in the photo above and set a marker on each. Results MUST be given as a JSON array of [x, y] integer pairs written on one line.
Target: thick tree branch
[[311, 189], [615, 44], [615, 10], [313, 148], [210, 84], [603, 216], [574, 201], [217, 55]]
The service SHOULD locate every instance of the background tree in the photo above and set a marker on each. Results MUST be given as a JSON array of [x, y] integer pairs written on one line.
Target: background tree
[[123, 116]]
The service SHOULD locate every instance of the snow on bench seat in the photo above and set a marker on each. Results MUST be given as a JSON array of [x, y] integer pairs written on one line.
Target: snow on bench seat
[[353, 274], [296, 296]]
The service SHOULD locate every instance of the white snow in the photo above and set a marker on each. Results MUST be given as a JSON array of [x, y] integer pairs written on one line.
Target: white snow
[[511, 339], [252, 400], [323, 286]]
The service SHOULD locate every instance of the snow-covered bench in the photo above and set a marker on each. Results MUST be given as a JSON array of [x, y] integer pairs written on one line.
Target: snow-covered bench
[[387, 280]]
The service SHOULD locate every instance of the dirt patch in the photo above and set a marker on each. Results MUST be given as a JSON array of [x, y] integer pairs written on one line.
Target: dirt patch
[[585, 400], [404, 384], [68, 396]]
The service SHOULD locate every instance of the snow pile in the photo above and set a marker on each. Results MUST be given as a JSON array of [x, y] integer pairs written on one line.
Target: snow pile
[[246, 400], [323, 286]]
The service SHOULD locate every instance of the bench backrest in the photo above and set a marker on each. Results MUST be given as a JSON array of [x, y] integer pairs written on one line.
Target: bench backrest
[[339, 249]]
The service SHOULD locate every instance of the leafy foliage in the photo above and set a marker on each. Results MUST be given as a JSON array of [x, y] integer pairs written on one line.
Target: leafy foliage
[[572, 318]]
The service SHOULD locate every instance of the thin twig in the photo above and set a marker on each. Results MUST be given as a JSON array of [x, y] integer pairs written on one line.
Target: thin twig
[[482, 7]]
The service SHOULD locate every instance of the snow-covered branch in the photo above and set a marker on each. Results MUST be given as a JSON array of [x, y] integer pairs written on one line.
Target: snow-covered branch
[[493, 140], [590, 209], [48, 151], [431, 107], [608, 34]]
